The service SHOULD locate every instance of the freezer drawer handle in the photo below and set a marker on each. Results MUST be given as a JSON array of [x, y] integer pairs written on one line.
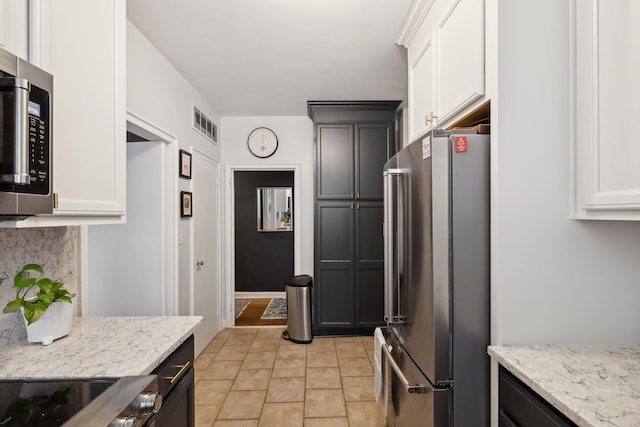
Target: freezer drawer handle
[[411, 387]]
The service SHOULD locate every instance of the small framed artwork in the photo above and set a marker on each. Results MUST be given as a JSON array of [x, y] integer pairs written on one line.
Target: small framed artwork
[[186, 204], [185, 164]]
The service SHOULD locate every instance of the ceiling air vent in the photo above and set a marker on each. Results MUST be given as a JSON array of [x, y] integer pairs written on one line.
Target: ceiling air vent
[[204, 125]]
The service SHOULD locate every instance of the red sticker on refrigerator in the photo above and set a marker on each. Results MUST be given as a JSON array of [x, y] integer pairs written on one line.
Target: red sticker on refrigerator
[[461, 144]]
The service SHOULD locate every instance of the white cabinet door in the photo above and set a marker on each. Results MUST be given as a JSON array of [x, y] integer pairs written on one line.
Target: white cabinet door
[[607, 103], [445, 55], [422, 92], [460, 57], [14, 27], [87, 56]]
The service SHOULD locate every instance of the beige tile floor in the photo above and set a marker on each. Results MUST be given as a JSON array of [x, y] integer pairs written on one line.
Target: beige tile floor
[[252, 377]]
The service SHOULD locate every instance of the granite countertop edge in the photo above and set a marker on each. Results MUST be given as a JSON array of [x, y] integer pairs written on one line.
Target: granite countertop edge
[[593, 385], [100, 347]]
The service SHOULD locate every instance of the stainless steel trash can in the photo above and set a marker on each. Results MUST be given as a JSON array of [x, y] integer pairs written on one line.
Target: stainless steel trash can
[[298, 292]]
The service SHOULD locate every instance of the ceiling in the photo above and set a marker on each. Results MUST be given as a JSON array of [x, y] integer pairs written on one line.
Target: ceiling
[[269, 57]]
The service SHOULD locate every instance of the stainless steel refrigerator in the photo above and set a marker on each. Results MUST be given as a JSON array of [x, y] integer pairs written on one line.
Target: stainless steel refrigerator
[[434, 364]]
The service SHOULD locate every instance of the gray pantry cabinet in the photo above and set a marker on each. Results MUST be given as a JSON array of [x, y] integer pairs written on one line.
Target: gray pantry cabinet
[[353, 140]]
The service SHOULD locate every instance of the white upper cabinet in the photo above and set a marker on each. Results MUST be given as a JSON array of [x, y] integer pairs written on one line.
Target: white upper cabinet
[[14, 27], [445, 56], [83, 45], [87, 60], [607, 105], [422, 91], [460, 56]]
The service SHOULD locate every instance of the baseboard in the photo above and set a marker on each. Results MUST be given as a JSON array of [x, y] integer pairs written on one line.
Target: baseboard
[[250, 295]]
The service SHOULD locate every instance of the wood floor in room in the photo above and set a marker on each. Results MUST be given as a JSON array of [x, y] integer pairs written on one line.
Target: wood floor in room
[[251, 314]]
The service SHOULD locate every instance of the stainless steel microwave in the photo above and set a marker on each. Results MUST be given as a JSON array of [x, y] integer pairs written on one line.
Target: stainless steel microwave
[[25, 148]]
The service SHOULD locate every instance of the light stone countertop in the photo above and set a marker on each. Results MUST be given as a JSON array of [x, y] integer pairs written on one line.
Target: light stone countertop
[[104, 347], [593, 385]]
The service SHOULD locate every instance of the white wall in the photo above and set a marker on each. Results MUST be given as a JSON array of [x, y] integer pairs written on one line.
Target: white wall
[[295, 148], [554, 280], [158, 94]]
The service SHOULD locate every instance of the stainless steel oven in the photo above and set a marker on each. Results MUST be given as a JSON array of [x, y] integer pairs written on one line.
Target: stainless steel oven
[[165, 398], [26, 94], [94, 402]]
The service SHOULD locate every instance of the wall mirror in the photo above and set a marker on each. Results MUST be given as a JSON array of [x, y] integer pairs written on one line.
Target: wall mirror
[[274, 208]]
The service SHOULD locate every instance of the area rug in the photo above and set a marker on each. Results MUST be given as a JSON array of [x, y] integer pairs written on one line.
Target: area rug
[[251, 315], [277, 309], [240, 305]]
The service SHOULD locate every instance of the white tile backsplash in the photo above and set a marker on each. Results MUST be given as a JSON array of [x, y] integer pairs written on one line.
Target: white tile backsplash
[[56, 248]]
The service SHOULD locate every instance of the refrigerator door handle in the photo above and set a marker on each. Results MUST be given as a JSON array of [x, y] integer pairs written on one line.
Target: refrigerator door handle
[[411, 387], [393, 301]]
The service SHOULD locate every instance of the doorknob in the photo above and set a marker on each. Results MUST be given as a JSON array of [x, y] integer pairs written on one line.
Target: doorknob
[[199, 265]]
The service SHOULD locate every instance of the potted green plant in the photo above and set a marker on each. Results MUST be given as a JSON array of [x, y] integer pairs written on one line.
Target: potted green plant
[[47, 308]]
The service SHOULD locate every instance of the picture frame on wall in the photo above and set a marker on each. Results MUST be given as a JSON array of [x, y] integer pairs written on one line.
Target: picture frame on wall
[[185, 164], [186, 204]]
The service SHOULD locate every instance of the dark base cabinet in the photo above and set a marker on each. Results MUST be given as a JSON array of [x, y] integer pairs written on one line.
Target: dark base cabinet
[[522, 407], [176, 383]]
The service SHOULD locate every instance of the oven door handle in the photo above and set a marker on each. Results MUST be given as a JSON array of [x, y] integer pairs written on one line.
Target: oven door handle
[[411, 387], [180, 373]]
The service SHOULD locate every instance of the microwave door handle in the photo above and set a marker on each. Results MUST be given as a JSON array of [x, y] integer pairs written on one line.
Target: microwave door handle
[[21, 88], [411, 387]]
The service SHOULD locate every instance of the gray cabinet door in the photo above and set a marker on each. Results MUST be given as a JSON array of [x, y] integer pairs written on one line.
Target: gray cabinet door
[[372, 145], [349, 265], [369, 266], [335, 161], [334, 291]]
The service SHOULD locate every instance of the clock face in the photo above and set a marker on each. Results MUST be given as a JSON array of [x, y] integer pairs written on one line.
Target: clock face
[[262, 142]]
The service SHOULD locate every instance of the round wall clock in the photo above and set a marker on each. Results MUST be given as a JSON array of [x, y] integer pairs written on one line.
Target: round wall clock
[[262, 142]]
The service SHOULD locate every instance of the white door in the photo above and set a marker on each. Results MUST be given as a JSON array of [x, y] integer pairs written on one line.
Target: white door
[[206, 243]]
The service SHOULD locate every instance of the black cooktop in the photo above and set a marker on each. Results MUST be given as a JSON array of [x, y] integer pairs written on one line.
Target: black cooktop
[[46, 403]]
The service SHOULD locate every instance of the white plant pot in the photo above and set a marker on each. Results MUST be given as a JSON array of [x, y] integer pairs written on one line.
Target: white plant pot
[[54, 324]]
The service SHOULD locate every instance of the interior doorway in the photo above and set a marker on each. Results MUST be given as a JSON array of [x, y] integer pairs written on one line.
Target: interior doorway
[[264, 258], [230, 238], [264, 254], [138, 258]]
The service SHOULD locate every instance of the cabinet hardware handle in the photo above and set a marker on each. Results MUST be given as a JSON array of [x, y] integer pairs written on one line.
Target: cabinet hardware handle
[[351, 195], [55, 200], [180, 373], [358, 195], [351, 206]]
